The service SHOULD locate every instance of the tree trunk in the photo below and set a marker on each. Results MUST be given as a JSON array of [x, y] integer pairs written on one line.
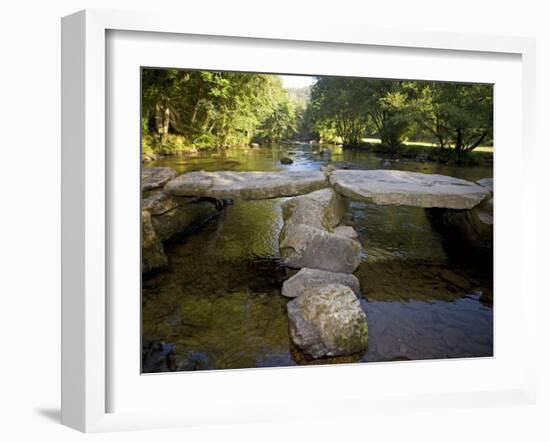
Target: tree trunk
[[162, 122], [165, 126], [458, 144], [196, 107], [478, 141]]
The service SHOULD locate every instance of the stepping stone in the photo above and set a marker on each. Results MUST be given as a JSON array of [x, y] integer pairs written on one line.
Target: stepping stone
[[308, 278], [322, 209], [301, 246], [328, 321]]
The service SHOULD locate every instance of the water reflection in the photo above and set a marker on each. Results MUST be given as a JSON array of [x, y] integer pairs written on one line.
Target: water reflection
[[218, 304]]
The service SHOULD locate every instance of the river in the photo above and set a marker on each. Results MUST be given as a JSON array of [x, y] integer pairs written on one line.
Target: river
[[218, 304]]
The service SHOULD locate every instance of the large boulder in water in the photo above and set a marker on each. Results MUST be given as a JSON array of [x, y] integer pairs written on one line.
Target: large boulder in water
[[328, 321], [246, 185], [308, 278], [184, 219], [467, 230], [155, 177], [322, 209], [301, 245], [152, 251], [177, 216], [159, 203]]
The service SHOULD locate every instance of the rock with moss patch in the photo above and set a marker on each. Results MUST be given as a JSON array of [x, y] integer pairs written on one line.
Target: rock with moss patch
[[328, 321], [308, 278]]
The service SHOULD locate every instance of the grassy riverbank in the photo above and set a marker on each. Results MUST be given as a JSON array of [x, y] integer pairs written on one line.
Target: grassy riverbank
[[417, 150]]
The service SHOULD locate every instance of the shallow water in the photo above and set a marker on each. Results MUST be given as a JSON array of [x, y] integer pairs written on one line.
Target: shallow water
[[218, 304]]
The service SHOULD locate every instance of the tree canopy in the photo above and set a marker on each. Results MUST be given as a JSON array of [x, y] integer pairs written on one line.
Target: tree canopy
[[219, 109], [215, 109], [454, 115]]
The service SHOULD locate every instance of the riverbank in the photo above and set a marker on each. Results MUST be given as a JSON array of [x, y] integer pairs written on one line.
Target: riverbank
[[419, 151]]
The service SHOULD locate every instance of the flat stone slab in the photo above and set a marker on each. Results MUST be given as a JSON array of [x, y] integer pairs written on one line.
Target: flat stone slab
[[246, 185], [401, 188], [487, 183], [155, 177]]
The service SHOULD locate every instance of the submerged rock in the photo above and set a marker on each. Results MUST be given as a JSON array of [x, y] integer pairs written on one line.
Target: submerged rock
[[152, 251], [322, 209], [246, 185], [308, 278], [286, 160], [396, 187], [301, 245], [328, 321], [155, 177]]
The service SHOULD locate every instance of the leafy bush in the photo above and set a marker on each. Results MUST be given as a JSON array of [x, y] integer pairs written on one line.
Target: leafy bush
[[205, 141]]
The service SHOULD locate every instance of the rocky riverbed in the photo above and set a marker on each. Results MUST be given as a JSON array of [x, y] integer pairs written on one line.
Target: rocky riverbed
[[224, 273]]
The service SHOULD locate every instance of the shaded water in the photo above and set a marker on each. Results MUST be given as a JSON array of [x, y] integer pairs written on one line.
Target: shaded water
[[218, 304]]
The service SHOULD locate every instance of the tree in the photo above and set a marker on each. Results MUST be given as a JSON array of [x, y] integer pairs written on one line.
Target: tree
[[353, 107], [457, 115], [337, 104], [387, 107], [213, 109]]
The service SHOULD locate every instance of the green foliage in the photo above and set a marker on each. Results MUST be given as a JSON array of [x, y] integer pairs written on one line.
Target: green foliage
[[213, 109], [456, 115], [188, 110], [280, 124], [338, 108]]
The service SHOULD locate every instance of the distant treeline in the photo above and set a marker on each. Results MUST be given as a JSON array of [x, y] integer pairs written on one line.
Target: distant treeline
[[453, 115], [202, 109]]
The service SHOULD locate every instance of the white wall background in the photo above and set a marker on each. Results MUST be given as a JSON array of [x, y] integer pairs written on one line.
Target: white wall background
[[30, 213]]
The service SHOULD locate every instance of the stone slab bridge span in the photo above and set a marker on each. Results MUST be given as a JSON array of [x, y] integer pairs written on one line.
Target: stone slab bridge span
[[384, 187]]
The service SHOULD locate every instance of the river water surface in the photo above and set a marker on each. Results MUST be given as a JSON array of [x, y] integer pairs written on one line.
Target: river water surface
[[218, 304]]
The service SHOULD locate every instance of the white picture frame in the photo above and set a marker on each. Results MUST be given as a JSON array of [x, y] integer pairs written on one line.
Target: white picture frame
[[85, 211]]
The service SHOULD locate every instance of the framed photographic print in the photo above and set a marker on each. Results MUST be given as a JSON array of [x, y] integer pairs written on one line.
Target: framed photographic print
[[320, 216]]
